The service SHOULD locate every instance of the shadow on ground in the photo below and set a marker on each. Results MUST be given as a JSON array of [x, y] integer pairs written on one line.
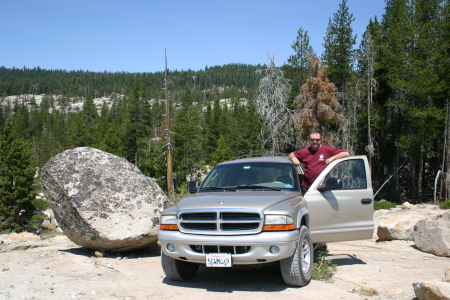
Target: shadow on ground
[[150, 251], [228, 280], [345, 260]]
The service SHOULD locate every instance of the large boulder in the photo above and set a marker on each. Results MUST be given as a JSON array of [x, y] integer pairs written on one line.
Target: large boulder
[[397, 228], [101, 201], [432, 235]]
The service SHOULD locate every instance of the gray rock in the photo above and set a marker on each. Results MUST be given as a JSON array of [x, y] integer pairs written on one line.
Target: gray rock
[[432, 235], [432, 290], [101, 201], [397, 228]]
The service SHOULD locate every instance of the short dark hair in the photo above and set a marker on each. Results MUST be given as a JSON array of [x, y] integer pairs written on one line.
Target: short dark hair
[[315, 131]]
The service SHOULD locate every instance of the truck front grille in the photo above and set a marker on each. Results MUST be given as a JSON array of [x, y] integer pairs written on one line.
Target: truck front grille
[[220, 249], [220, 222]]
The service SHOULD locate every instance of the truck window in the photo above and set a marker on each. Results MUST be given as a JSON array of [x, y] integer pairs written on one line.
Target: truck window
[[352, 174]]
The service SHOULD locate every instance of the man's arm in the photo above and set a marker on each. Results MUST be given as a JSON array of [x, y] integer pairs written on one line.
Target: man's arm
[[294, 159], [337, 156]]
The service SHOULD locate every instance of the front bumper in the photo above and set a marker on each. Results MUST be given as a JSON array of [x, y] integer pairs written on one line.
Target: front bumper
[[259, 245]]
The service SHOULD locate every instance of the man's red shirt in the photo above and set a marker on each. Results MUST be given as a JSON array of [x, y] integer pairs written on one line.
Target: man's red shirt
[[314, 161]]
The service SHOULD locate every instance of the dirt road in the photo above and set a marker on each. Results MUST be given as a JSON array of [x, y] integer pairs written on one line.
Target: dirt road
[[59, 269]]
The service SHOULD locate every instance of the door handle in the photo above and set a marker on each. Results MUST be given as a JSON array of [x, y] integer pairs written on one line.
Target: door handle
[[366, 201]]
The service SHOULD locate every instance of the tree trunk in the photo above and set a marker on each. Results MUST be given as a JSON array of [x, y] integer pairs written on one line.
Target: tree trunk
[[397, 178], [412, 180], [446, 154], [421, 172]]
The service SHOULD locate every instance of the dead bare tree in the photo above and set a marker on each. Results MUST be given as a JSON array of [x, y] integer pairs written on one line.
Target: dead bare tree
[[170, 186], [271, 100], [372, 85]]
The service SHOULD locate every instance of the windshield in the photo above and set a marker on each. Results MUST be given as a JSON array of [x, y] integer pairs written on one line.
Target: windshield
[[256, 175]]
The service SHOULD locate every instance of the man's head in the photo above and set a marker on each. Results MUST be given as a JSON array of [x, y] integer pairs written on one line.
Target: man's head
[[315, 140]]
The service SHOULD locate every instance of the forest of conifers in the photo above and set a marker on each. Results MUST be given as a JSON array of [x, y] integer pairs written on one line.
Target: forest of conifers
[[386, 98]]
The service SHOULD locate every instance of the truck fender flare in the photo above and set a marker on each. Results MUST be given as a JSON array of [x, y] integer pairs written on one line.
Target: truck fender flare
[[303, 217]]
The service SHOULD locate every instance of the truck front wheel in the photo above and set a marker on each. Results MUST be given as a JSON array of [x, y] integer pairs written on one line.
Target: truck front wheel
[[297, 269], [177, 269]]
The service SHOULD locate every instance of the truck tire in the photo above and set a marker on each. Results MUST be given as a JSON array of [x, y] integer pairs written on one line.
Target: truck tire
[[297, 269], [178, 270]]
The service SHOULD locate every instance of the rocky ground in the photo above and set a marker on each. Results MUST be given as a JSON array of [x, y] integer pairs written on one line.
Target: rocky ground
[[56, 268]]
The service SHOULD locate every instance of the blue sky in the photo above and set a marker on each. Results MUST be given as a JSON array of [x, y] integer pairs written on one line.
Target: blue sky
[[130, 36]]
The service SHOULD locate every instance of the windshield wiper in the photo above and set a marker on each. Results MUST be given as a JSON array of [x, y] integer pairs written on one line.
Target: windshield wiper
[[256, 187], [212, 188]]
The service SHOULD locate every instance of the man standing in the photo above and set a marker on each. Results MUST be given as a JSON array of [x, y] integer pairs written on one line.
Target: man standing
[[315, 158]]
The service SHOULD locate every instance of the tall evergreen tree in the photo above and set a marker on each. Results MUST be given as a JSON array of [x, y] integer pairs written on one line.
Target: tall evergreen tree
[[394, 39], [90, 116], [298, 68], [187, 140], [17, 169], [338, 53], [136, 128], [444, 71], [222, 153]]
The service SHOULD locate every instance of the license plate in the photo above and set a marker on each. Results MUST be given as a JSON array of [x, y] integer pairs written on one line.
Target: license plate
[[218, 260]]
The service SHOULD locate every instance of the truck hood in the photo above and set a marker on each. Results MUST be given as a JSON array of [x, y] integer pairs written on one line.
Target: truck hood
[[260, 200]]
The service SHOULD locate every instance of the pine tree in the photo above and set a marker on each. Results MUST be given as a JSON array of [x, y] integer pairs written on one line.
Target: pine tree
[[188, 142], [222, 153], [297, 69], [90, 117], [17, 169], [444, 71], [410, 81], [339, 54]]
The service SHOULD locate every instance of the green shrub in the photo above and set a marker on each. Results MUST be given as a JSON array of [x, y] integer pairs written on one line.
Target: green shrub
[[323, 268], [181, 192], [445, 204], [383, 205]]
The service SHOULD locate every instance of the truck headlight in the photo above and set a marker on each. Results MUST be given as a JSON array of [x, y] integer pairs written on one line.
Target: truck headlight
[[278, 223], [168, 222]]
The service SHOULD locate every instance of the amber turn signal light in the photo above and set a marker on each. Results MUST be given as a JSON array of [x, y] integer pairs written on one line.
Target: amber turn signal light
[[282, 227]]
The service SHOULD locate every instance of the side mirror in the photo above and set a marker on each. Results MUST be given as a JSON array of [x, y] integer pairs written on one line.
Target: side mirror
[[330, 184], [193, 186]]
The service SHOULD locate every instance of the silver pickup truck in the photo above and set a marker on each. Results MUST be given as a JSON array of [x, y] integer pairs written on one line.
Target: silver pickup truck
[[251, 211]]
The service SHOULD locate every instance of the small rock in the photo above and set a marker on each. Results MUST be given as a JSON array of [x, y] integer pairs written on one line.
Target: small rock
[[406, 205], [99, 253], [432, 290], [447, 275]]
